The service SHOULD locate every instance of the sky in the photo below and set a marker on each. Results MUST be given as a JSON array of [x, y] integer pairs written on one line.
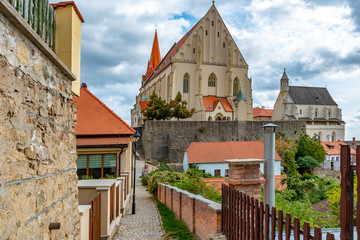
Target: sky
[[317, 41]]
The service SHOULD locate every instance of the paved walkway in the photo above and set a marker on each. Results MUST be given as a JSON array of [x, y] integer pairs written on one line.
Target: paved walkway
[[145, 223]]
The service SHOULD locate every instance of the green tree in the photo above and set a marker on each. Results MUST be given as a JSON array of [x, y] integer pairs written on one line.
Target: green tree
[[306, 164], [158, 109], [310, 146], [179, 109], [287, 150]]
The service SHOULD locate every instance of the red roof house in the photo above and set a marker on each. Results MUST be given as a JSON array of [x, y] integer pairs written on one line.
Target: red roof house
[[103, 139]]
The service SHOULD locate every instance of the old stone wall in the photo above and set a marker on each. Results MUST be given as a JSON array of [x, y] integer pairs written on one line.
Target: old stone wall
[[167, 140], [38, 181]]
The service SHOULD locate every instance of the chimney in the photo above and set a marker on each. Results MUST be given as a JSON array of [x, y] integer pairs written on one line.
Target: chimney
[[68, 38], [354, 142]]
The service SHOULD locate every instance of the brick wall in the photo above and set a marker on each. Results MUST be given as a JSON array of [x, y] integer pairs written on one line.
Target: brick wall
[[201, 216]]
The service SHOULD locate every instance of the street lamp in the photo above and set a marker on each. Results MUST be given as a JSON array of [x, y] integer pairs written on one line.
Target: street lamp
[[136, 138], [269, 165]]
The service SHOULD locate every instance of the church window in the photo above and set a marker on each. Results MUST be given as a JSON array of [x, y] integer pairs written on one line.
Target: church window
[[206, 32], [212, 80], [300, 111], [316, 113], [218, 34], [212, 23], [209, 118], [333, 137], [236, 87], [186, 83], [193, 50], [223, 44]]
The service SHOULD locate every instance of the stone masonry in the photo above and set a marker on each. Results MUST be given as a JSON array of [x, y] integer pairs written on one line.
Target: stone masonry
[[167, 140], [38, 181]]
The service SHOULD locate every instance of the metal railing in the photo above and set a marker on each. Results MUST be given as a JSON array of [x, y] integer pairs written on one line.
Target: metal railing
[[40, 15]]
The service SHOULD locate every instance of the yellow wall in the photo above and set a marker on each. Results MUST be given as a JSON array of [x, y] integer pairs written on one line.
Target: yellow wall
[[68, 41]]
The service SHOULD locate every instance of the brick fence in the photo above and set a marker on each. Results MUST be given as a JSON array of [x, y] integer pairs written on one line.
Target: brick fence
[[201, 216]]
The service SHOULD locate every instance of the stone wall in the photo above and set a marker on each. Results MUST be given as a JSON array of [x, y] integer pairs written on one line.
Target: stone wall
[[38, 181], [167, 140]]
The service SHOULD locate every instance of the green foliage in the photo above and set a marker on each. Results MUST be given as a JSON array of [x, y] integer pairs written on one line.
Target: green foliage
[[196, 172], [144, 180], [84, 177], [307, 163], [164, 167], [158, 109], [165, 177], [198, 186], [174, 228], [179, 109], [202, 129], [287, 150], [310, 146], [110, 176]]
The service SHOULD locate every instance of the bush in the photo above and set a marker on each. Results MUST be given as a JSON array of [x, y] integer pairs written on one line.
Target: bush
[[144, 180], [307, 163], [165, 177]]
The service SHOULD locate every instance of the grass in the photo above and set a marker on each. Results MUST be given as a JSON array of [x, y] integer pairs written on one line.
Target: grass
[[174, 228]]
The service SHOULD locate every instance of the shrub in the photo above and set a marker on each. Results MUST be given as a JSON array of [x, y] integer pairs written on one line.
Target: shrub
[[165, 177], [307, 163], [202, 129]]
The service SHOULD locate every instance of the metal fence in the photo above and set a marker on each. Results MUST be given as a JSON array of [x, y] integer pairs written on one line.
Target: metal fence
[[40, 15]]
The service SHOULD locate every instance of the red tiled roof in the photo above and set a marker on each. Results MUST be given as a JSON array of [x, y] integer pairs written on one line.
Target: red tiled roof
[[333, 148], [95, 118], [217, 152], [80, 142], [210, 103], [262, 112], [69, 3], [167, 60], [144, 105]]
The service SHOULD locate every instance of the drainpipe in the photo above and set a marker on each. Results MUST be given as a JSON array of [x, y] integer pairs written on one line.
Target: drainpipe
[[269, 165]]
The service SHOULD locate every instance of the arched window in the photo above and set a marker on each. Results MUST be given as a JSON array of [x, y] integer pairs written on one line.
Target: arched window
[[212, 80], [219, 117], [316, 112], [236, 87], [319, 136], [333, 137], [209, 118], [228, 118], [186, 83]]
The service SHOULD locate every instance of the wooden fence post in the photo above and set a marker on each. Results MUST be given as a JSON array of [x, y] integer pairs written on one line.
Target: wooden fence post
[[358, 190], [347, 195]]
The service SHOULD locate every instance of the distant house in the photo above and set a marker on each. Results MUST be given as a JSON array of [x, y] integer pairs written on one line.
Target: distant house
[[262, 114], [313, 105], [103, 139], [353, 144], [209, 156], [332, 158]]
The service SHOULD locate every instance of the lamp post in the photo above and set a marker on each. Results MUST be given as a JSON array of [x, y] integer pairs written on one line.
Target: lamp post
[[136, 138], [269, 165]]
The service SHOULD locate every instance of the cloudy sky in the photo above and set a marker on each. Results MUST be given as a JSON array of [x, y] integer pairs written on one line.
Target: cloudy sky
[[317, 41]]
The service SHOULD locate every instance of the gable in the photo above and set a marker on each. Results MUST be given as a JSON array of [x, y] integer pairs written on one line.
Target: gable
[[212, 36]]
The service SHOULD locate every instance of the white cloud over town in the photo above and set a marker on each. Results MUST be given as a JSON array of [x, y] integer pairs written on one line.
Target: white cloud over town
[[318, 42]]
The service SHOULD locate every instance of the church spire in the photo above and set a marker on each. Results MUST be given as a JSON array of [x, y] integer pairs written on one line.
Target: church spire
[[284, 82], [155, 57]]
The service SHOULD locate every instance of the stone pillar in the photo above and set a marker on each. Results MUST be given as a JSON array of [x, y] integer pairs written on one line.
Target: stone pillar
[[244, 174]]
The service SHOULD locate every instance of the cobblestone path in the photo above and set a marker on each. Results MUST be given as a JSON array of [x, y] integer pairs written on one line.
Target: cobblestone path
[[145, 223]]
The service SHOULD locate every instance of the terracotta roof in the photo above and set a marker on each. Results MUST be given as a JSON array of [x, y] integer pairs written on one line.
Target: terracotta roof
[[210, 103], [217, 152], [167, 60], [333, 148], [82, 142], [69, 3], [144, 105], [262, 112], [95, 118]]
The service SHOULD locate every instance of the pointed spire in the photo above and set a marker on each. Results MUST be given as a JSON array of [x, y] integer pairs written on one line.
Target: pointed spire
[[155, 57], [284, 76], [240, 97]]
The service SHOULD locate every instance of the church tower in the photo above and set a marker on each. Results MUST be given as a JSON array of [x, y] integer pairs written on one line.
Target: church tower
[[284, 87]]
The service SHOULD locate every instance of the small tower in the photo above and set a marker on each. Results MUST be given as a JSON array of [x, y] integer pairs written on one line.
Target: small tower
[[284, 87]]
